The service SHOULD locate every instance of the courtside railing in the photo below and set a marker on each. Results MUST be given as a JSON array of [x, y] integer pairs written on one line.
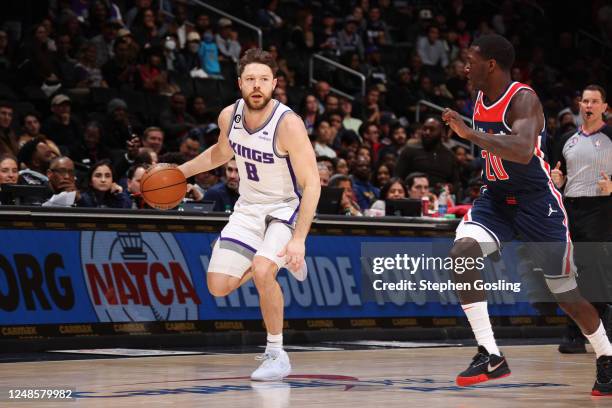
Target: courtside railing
[[312, 80]]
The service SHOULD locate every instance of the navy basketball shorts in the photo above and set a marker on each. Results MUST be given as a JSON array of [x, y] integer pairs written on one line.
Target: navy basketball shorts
[[537, 217]]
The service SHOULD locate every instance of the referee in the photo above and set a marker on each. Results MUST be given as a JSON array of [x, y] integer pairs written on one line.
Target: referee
[[583, 169]]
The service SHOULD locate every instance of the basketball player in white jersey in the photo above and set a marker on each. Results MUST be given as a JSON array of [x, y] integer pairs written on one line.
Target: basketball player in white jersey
[[279, 191]]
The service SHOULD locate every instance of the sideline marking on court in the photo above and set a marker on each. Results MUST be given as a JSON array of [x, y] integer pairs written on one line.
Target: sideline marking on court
[[128, 352], [395, 344]]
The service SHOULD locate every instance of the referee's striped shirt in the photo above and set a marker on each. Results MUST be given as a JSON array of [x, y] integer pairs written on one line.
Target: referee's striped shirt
[[583, 157]]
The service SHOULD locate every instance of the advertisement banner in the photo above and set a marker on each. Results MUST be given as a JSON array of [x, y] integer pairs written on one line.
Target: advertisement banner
[[82, 277]]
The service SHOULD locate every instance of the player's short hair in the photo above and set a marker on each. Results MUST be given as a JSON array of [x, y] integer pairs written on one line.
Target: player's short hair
[[257, 56], [496, 47], [597, 88]]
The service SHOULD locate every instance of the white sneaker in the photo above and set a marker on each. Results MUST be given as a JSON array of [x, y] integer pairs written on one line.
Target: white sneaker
[[275, 367], [301, 274]]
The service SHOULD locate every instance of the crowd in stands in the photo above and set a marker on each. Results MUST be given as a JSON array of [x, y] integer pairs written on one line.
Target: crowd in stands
[[96, 91]]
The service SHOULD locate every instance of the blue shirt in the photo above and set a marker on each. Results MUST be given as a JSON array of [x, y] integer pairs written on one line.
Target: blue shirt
[[366, 193], [209, 54], [222, 196]]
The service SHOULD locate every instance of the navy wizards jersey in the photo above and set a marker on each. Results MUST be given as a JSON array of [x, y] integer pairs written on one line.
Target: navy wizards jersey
[[503, 177], [520, 200]]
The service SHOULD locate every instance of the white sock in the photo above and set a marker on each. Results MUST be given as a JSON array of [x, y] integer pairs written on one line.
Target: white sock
[[478, 316], [275, 343], [600, 342]]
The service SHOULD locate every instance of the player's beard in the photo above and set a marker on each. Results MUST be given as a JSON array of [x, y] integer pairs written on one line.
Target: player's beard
[[263, 102]]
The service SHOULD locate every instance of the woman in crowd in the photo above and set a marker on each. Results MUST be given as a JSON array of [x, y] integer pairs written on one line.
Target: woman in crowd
[[9, 172], [102, 192], [394, 189]]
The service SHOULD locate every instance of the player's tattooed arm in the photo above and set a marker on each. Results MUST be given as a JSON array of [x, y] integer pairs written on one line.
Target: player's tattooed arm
[[216, 155], [293, 139], [526, 119]]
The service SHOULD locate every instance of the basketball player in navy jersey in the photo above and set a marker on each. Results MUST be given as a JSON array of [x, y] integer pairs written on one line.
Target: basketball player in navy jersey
[[518, 198]]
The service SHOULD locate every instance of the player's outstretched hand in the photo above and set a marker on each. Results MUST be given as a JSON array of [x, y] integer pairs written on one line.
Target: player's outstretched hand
[[605, 184], [294, 254], [453, 119], [557, 175]]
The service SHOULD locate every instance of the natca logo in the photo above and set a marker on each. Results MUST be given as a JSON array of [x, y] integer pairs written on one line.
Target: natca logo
[[134, 276]]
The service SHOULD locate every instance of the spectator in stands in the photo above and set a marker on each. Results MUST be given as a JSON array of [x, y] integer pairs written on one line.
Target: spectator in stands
[[349, 39], [202, 23], [432, 52], [267, 17], [209, 54], [365, 192], [376, 31], [200, 112], [324, 174], [145, 29], [370, 135], [6, 54], [348, 82], [189, 60], [372, 107], [170, 52], [87, 72], [8, 139], [90, 150], [104, 42], [310, 112], [62, 183], [358, 14], [348, 121], [398, 141], [175, 121], [62, 127], [120, 71], [457, 82], [35, 157], [151, 76], [146, 155], [182, 24], [326, 37], [376, 73], [9, 172], [322, 90], [119, 125], [382, 174], [302, 36], [342, 167], [417, 185], [394, 189], [430, 157], [102, 192], [153, 138], [348, 205], [280, 95], [64, 65], [206, 180], [139, 7], [190, 146], [227, 41], [134, 175], [225, 194], [31, 129], [464, 163], [323, 138]]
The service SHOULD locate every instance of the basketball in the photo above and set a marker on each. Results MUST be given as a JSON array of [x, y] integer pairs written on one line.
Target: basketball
[[163, 186]]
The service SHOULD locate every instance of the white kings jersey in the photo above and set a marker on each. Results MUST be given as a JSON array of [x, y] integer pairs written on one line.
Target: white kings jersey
[[266, 176]]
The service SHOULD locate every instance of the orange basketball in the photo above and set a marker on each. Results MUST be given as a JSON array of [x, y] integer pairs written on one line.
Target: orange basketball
[[163, 186]]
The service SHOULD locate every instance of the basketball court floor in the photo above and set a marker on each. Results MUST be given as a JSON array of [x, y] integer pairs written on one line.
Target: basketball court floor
[[326, 376]]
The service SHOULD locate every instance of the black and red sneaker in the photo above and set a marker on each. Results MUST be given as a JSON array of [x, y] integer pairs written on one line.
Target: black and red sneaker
[[484, 367], [603, 383]]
